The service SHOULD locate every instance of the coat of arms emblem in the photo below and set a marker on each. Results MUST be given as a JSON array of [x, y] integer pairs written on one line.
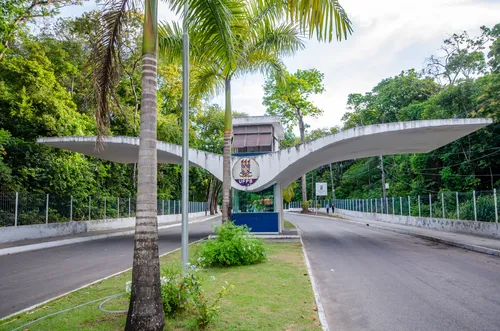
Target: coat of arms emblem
[[246, 172], [245, 169]]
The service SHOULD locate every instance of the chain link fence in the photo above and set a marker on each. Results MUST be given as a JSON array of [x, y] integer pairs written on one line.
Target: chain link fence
[[472, 206], [22, 208]]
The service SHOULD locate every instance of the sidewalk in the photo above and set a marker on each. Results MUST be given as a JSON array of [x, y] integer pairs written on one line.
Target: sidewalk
[[35, 244], [469, 242]]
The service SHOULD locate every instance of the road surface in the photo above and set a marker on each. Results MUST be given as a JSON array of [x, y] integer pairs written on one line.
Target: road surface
[[33, 277], [371, 279]]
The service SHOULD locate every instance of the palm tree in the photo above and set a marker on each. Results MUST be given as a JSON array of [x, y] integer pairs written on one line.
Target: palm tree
[[146, 309], [259, 43], [214, 17]]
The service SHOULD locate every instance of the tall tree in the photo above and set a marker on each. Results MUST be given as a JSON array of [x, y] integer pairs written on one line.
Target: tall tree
[[146, 310], [15, 14], [289, 99], [259, 42]]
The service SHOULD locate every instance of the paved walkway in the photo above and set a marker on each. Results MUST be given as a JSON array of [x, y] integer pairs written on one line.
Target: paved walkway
[[102, 234]]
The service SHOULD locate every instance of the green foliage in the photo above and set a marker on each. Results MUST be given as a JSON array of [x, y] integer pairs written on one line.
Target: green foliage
[[179, 288], [232, 246], [205, 311], [182, 292], [289, 99]]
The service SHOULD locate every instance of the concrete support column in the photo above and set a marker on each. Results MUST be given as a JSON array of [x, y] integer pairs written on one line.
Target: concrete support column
[[278, 206]]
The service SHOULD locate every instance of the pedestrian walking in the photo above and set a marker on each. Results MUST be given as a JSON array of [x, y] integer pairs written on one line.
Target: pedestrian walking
[[333, 208], [327, 208]]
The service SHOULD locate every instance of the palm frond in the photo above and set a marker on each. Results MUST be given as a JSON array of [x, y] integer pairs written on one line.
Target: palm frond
[[104, 61], [320, 17], [284, 39], [170, 41], [215, 23], [206, 80]]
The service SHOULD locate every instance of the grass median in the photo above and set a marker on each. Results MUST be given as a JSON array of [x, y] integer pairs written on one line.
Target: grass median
[[275, 295]]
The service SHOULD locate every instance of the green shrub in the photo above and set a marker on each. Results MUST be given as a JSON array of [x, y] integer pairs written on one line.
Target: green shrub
[[205, 311], [485, 208], [182, 292], [232, 246], [178, 288]]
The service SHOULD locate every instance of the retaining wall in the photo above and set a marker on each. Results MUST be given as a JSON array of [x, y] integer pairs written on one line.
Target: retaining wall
[[36, 231], [485, 229]]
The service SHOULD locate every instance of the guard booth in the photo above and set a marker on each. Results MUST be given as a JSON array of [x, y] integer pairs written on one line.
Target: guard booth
[[260, 210]]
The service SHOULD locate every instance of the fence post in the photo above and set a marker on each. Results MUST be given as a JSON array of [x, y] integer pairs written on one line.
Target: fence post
[[430, 205], [496, 209], [409, 206], [117, 207], [419, 211], [393, 212], [387, 206], [442, 203], [371, 205], [47, 210], [163, 207], [90, 202], [401, 205], [15, 210], [71, 208], [129, 206], [104, 207], [458, 208], [475, 210]]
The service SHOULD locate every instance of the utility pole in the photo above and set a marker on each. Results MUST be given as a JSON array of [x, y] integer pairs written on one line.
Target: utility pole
[[383, 177]]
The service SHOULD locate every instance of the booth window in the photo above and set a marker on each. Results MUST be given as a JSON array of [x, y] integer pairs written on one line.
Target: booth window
[[253, 202]]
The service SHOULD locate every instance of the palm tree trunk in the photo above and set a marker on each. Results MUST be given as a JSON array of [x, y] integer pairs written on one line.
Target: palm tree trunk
[[146, 309], [302, 130], [226, 167]]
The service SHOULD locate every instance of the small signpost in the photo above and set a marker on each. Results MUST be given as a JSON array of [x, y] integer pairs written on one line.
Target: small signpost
[[321, 191]]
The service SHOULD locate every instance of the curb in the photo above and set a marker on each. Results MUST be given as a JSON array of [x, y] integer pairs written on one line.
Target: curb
[[56, 243], [470, 247], [321, 310], [89, 284]]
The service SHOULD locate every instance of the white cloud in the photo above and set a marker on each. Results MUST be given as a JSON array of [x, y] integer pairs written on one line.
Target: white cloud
[[389, 36]]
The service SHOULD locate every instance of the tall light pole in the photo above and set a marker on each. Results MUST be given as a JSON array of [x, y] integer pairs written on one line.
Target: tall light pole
[[185, 138]]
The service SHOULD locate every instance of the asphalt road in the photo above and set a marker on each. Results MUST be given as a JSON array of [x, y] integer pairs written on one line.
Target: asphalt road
[[33, 277], [371, 279]]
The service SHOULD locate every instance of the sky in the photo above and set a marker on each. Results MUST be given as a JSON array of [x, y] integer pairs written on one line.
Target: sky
[[389, 36]]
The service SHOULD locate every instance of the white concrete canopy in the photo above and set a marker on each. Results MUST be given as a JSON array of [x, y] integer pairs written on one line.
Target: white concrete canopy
[[287, 165]]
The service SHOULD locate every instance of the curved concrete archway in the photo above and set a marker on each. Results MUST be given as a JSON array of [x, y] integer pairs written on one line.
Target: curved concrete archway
[[287, 165], [126, 150]]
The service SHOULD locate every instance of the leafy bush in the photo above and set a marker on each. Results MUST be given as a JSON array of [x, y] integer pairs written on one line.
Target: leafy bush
[[485, 208], [232, 246], [182, 292], [178, 289], [205, 311]]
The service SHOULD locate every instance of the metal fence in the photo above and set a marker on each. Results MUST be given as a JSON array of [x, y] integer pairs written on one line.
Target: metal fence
[[473, 206], [32, 208]]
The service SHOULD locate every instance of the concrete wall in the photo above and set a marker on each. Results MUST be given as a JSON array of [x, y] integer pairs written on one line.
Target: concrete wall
[[36, 231], [485, 229]]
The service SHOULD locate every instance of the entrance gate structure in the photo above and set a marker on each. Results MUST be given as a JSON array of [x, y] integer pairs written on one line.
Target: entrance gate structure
[[260, 170]]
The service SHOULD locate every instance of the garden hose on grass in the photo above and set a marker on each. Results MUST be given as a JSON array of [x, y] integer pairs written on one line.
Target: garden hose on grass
[[103, 301]]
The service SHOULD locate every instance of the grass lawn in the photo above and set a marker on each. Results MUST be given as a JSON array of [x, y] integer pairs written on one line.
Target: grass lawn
[[275, 295], [289, 225]]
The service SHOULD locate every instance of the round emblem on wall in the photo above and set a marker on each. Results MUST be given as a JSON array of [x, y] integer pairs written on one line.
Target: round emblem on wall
[[246, 171]]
